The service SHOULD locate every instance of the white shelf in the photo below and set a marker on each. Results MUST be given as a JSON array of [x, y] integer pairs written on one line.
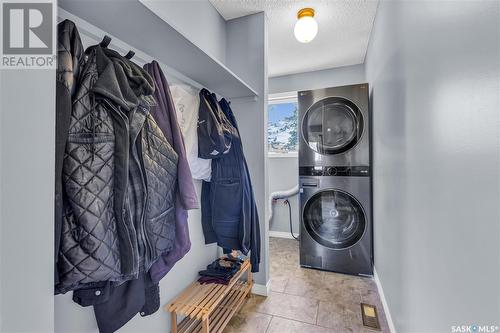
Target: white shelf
[[133, 23]]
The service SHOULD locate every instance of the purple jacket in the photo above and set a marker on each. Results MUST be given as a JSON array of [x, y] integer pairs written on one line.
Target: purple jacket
[[186, 198]]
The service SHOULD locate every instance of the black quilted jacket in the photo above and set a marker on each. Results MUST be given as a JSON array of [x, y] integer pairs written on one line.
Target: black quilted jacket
[[70, 61], [119, 177]]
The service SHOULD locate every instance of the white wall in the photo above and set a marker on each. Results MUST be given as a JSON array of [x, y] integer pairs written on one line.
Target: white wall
[[333, 77], [197, 20], [27, 150], [284, 175], [433, 67]]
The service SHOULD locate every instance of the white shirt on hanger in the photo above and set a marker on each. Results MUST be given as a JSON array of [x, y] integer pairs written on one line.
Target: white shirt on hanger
[[187, 103]]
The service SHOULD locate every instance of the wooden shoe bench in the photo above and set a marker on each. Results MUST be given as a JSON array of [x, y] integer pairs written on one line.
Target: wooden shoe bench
[[207, 308]]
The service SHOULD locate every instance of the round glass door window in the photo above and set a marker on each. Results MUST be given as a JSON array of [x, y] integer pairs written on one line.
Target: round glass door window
[[334, 219], [332, 126]]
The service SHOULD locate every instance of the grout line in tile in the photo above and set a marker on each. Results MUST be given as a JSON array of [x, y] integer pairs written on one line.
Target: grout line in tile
[[286, 284], [329, 328], [300, 321], [316, 315], [269, 325]]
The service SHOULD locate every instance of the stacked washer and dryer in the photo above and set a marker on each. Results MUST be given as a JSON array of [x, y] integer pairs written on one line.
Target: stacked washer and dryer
[[335, 180]]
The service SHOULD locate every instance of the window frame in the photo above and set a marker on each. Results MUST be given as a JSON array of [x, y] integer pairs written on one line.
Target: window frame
[[282, 98]]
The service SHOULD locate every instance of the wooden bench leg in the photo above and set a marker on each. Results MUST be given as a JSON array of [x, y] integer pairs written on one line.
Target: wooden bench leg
[[173, 315], [204, 325], [249, 279]]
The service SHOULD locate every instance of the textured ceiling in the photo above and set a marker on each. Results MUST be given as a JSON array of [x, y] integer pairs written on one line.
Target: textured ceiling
[[344, 32]]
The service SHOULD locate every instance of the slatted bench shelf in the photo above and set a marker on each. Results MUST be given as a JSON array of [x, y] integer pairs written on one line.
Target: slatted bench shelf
[[207, 308]]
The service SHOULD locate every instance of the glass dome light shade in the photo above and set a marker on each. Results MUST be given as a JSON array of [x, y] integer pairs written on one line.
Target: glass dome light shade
[[306, 26]]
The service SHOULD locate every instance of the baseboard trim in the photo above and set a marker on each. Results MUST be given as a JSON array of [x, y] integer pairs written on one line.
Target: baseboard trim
[[384, 302], [260, 289], [282, 234]]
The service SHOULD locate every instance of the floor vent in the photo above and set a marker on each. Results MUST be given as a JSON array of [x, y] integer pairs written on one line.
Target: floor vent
[[370, 316]]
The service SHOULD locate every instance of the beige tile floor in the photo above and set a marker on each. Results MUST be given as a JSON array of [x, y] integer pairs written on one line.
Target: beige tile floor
[[306, 300]]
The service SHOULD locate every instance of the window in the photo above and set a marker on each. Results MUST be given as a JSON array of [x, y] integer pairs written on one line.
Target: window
[[282, 125]]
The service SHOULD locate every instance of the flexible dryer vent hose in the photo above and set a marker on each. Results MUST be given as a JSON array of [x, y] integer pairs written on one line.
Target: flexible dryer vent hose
[[283, 195]]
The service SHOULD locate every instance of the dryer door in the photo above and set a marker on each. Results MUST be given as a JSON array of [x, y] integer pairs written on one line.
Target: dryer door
[[332, 125], [334, 219]]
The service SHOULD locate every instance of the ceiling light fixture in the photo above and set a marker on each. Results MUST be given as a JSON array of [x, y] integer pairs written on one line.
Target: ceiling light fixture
[[306, 26]]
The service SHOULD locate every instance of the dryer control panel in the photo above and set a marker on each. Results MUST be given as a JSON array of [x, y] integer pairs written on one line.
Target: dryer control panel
[[357, 171]]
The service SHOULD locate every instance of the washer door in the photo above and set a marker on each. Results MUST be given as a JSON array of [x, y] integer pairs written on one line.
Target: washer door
[[334, 219], [332, 126]]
